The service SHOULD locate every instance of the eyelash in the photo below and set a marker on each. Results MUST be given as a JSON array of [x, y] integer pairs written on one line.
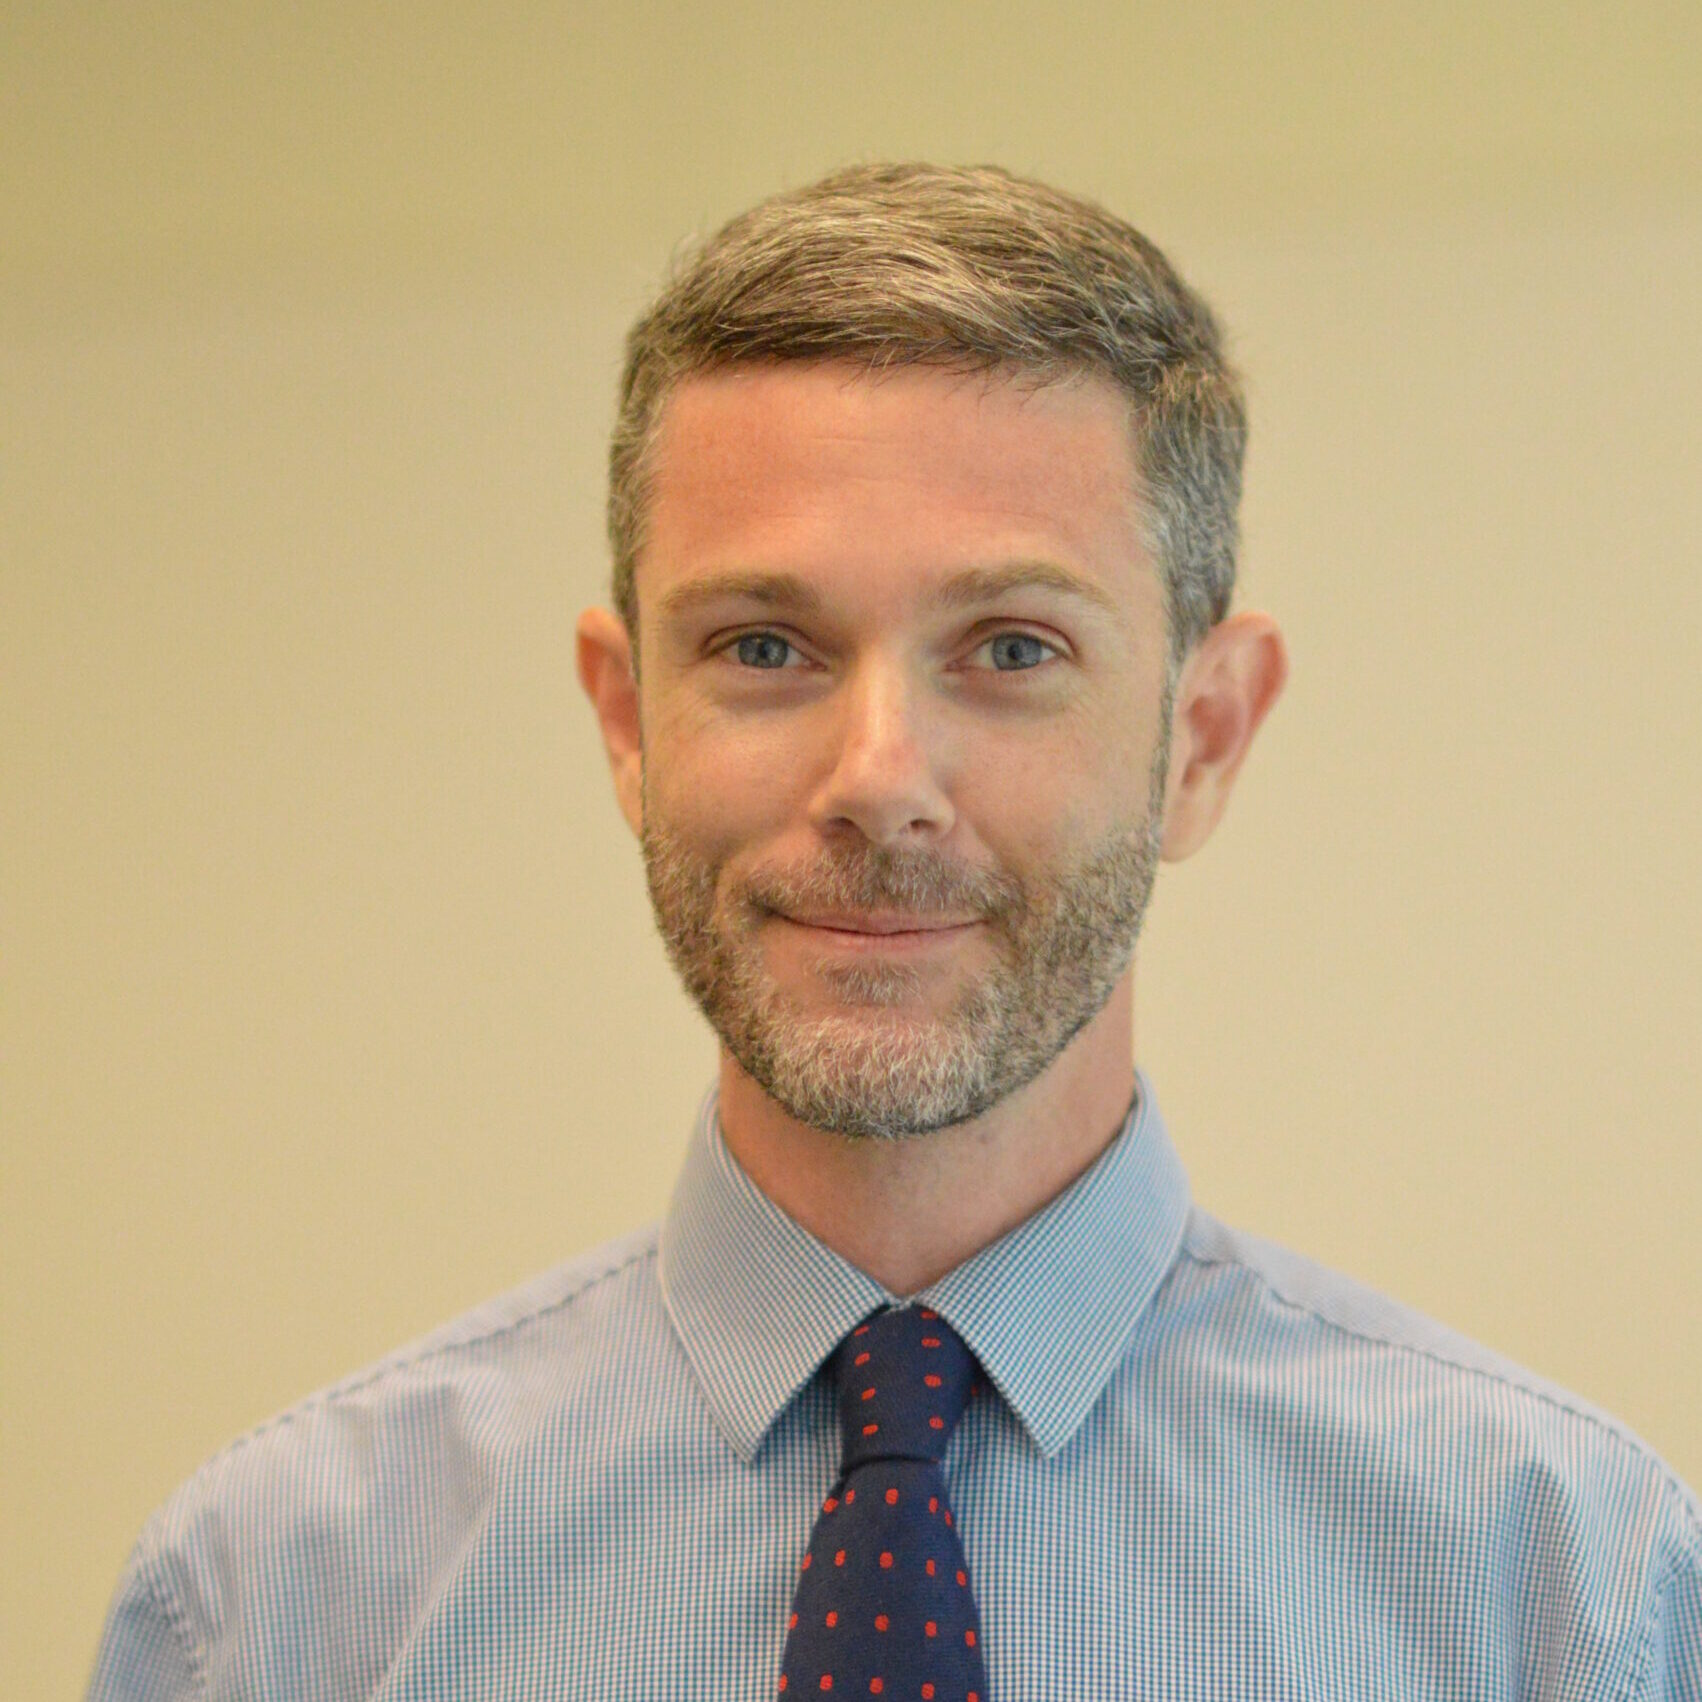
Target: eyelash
[[738, 638]]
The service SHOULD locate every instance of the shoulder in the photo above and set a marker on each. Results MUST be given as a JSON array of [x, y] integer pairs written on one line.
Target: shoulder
[[1266, 1289], [1476, 1433], [465, 1376], [299, 1520], [1373, 1454]]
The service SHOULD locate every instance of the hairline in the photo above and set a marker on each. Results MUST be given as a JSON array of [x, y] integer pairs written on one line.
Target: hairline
[[1066, 372]]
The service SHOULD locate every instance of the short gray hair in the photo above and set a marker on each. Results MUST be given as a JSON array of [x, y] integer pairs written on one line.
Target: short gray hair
[[969, 269]]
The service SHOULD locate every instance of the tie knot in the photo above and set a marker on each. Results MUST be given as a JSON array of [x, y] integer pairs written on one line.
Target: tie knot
[[904, 1379]]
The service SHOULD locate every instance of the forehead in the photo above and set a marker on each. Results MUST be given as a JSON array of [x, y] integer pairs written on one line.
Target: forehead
[[870, 481]]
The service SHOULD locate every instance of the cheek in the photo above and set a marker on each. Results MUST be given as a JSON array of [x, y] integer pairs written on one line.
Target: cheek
[[1025, 819], [720, 793], [1043, 789]]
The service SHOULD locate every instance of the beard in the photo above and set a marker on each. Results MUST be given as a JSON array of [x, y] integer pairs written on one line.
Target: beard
[[1062, 936]]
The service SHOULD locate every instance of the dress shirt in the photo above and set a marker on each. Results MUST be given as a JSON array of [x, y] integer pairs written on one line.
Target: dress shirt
[[1202, 1468]]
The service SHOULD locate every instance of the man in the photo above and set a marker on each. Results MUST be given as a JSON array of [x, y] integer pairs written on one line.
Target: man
[[932, 1383]]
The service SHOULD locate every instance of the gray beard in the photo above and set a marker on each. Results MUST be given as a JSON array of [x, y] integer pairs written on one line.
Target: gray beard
[[1060, 946]]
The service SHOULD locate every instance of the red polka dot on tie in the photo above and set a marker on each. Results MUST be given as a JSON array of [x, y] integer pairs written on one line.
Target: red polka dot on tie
[[829, 1504], [891, 1497], [833, 1617], [807, 1559], [839, 1558], [948, 1517], [850, 1496], [861, 1359], [936, 1422], [782, 1681], [969, 1638], [881, 1622], [933, 1503], [927, 1693], [962, 1576], [870, 1429], [827, 1681], [930, 1341], [930, 1568], [861, 1330], [876, 1686], [930, 1629], [791, 1624], [868, 1394], [925, 1313], [886, 1557], [973, 1696], [932, 1380]]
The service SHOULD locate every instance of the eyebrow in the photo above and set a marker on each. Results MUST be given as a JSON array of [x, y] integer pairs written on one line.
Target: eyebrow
[[963, 589]]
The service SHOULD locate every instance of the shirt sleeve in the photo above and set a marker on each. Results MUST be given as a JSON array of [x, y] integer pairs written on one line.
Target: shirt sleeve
[[145, 1654], [1674, 1669]]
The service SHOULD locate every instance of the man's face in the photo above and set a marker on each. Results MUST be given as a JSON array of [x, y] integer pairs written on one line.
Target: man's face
[[870, 696]]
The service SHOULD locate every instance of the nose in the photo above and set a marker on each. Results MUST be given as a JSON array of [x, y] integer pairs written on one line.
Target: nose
[[884, 779]]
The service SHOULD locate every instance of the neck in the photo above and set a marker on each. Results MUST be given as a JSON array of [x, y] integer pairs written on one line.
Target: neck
[[907, 1211]]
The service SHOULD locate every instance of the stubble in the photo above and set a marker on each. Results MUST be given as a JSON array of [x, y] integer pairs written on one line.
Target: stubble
[[878, 1063]]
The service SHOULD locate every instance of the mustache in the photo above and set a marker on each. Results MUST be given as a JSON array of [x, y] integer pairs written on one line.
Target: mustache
[[922, 883]]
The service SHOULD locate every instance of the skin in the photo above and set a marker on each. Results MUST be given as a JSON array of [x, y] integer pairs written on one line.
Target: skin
[[910, 1101]]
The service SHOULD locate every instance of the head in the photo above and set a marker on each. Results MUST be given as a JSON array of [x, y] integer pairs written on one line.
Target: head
[[966, 270], [922, 505]]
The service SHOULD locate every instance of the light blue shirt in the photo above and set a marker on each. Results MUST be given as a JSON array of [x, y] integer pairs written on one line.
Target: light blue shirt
[[1205, 1468]]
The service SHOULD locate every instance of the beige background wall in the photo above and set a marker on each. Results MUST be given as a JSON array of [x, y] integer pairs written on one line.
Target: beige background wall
[[331, 1000]]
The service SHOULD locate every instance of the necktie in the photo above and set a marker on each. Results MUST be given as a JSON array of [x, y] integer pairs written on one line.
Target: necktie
[[883, 1605]]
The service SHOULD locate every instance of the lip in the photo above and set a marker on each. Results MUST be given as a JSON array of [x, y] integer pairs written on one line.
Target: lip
[[880, 933], [842, 922]]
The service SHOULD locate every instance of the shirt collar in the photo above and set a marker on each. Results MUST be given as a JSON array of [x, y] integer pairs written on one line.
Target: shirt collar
[[1049, 1309]]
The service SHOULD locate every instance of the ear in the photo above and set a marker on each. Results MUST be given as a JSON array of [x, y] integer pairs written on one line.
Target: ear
[[1227, 688], [606, 673]]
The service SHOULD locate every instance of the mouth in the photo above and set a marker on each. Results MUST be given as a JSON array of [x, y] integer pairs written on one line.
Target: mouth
[[881, 922], [880, 933]]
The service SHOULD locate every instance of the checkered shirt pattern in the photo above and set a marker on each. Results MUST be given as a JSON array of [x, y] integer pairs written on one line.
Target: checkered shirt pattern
[[1203, 1469]]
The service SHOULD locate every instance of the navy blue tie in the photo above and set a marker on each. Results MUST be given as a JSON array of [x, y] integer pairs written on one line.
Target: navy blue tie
[[884, 1605]]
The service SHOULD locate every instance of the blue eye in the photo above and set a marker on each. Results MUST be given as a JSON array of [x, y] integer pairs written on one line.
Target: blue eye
[[1012, 652], [762, 650], [1021, 649]]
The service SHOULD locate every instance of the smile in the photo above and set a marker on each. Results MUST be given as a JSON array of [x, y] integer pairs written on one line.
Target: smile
[[880, 935]]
